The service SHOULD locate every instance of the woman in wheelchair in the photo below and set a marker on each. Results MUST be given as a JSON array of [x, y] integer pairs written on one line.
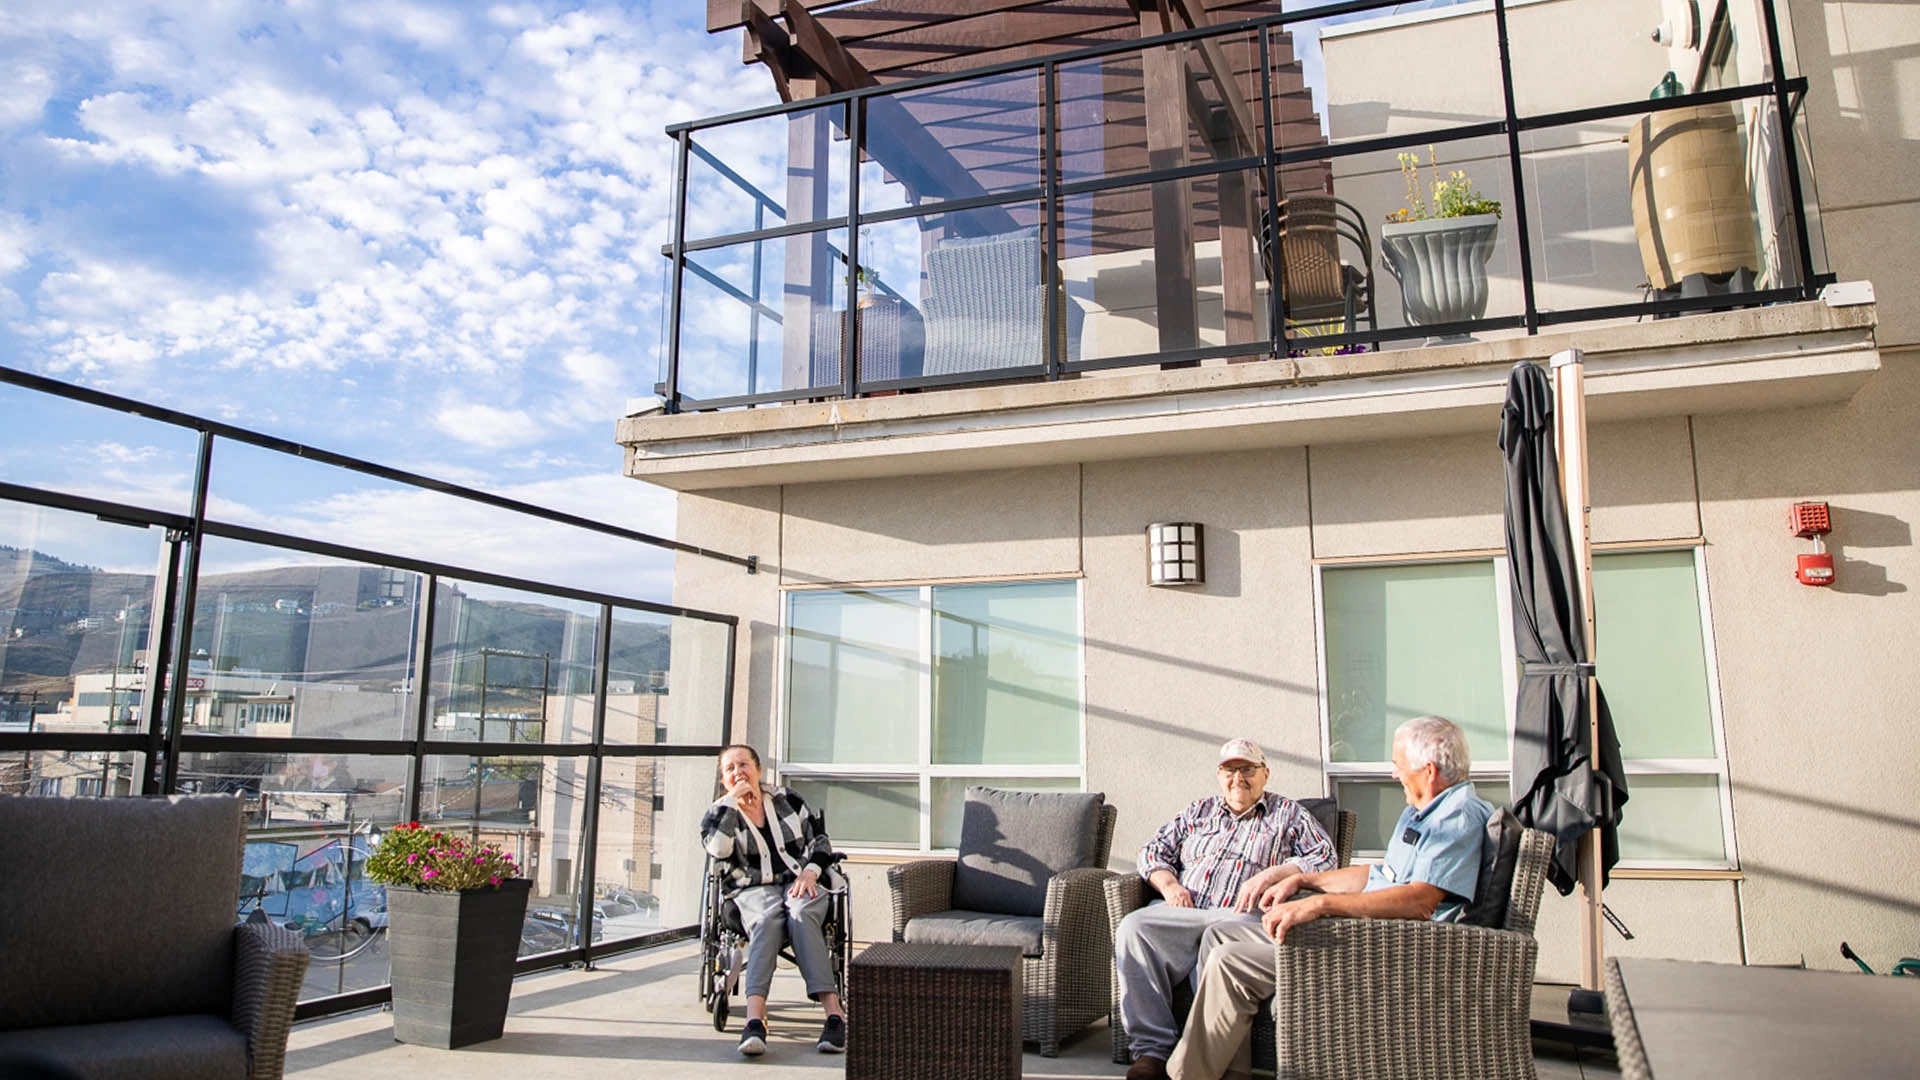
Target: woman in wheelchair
[[771, 854]]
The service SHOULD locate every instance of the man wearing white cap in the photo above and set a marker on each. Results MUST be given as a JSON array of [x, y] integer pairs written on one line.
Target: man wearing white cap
[[1210, 863]]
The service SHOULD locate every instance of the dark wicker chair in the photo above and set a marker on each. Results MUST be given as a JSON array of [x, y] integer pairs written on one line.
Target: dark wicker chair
[[1129, 892], [1319, 286], [1065, 986], [122, 956], [1391, 998]]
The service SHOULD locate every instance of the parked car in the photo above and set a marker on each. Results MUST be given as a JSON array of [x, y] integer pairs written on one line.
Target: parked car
[[549, 929], [617, 901]]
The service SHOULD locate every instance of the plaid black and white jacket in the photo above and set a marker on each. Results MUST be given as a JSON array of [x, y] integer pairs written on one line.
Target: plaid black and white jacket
[[742, 852]]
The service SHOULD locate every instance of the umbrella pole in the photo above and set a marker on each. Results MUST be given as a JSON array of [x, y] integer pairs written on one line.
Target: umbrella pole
[[1570, 438]]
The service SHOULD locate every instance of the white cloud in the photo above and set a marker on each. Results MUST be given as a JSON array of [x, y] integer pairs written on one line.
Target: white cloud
[[485, 425]]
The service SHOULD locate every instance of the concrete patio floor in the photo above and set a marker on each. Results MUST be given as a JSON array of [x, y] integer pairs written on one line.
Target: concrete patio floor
[[637, 1015]]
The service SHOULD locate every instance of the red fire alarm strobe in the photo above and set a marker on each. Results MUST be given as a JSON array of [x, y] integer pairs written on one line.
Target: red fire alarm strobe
[[1811, 521]]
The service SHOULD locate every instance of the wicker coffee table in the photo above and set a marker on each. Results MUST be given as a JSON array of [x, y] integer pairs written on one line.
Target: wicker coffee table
[[934, 1012]]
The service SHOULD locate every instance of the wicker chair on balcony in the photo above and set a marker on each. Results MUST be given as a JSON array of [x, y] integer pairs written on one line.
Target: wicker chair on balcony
[[1129, 892], [1398, 998], [1030, 872], [986, 306], [1321, 287]]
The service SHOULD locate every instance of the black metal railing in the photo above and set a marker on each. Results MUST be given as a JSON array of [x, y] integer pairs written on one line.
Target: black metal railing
[[163, 728], [848, 152]]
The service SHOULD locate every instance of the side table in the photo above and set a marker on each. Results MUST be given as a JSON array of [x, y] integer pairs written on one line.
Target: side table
[[933, 1012]]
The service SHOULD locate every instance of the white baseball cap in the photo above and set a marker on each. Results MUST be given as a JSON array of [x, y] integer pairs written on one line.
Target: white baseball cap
[[1241, 750]]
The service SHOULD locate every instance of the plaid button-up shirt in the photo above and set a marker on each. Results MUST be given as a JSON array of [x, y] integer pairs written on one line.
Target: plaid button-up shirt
[[1213, 852]]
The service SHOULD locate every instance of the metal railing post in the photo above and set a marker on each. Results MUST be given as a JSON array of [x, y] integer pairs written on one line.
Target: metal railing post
[[590, 810], [850, 335], [1055, 319], [176, 683], [1789, 150], [679, 270], [1523, 235]]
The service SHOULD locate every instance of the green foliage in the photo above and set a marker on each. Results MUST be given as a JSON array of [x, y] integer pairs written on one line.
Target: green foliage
[[1454, 196], [429, 859]]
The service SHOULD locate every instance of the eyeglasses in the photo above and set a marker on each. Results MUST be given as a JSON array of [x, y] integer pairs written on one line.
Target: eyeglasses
[[1247, 771]]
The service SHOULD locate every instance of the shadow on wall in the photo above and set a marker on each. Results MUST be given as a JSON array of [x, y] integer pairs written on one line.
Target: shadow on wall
[[1853, 529]]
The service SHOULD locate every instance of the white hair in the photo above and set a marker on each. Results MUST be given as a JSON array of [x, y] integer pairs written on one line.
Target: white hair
[[1438, 740]]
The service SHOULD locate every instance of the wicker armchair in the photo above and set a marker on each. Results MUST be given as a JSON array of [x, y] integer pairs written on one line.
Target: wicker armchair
[[1391, 998], [1319, 286], [1126, 893], [123, 958], [1065, 982], [986, 305]]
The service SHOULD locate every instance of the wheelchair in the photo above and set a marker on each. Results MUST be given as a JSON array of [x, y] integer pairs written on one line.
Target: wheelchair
[[723, 938]]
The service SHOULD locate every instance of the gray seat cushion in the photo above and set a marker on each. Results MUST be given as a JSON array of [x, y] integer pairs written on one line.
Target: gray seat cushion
[[1013, 842], [1497, 857], [130, 906], [196, 1047], [977, 928]]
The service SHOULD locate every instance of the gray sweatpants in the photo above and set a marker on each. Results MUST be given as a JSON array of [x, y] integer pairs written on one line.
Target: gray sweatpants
[[771, 916], [1155, 948]]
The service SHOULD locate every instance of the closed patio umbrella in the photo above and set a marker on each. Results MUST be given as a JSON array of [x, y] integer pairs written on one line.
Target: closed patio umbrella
[[1567, 775]]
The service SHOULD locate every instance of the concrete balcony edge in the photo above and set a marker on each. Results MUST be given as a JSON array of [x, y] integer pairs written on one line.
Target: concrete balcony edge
[[1786, 355]]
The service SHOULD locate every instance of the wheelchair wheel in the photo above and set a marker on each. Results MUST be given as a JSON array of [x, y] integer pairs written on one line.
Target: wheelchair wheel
[[720, 1009]]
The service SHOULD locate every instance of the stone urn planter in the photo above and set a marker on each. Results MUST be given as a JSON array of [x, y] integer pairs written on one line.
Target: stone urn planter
[[453, 955], [1441, 265]]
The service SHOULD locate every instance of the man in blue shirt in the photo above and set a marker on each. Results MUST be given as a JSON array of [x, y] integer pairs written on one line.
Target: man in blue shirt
[[1431, 870]]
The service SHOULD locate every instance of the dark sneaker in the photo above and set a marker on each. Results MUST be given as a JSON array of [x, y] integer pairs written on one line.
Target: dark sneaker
[[833, 1037], [753, 1041]]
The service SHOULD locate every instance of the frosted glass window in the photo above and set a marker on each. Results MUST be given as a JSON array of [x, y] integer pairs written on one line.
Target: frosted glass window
[[1673, 819], [1405, 641], [865, 813], [854, 677], [1006, 674], [950, 798], [1652, 659], [1376, 806]]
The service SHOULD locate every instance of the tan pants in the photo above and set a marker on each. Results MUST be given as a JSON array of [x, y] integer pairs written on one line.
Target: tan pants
[[1236, 979]]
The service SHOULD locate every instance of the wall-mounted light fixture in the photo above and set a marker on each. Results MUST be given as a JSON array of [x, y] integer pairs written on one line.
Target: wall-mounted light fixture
[[1175, 554]]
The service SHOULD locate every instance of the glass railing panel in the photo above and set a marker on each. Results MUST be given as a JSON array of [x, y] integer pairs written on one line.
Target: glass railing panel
[[511, 666], [59, 774], [1609, 43], [313, 820], [949, 293], [1138, 284], [763, 316], [530, 807], [648, 860], [666, 680], [1378, 74], [788, 169], [1673, 211], [1431, 269], [121, 458], [956, 140], [1165, 107], [76, 603], [286, 645]]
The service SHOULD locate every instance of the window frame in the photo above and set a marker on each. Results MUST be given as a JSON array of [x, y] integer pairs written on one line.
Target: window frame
[[923, 769], [1333, 773]]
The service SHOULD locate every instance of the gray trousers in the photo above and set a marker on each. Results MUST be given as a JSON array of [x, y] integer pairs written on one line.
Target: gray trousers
[[771, 916], [1155, 948], [1238, 975]]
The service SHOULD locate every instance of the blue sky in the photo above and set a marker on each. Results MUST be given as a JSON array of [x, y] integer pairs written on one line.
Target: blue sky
[[420, 232], [417, 231]]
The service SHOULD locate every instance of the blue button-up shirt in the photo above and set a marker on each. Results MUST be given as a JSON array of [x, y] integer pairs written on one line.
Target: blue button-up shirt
[[1440, 846]]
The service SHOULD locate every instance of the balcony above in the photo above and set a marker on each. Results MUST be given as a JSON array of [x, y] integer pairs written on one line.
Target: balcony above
[[1786, 355]]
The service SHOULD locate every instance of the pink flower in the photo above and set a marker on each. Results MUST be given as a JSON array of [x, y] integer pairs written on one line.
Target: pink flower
[[414, 858], [496, 879], [430, 874]]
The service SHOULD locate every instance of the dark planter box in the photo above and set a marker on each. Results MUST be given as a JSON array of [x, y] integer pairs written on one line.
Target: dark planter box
[[453, 956]]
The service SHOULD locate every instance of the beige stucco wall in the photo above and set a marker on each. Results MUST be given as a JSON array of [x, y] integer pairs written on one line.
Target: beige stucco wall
[[1815, 684], [1862, 63]]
